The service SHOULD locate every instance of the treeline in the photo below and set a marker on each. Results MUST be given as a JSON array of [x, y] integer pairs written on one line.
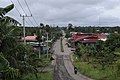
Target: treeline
[[92, 29], [52, 31]]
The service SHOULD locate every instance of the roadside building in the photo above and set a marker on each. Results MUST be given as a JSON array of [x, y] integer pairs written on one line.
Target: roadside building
[[86, 38]]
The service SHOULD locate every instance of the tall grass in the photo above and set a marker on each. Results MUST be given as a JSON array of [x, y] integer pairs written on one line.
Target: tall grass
[[94, 70]]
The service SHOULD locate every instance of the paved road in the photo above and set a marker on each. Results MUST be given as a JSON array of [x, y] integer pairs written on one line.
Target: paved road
[[60, 69], [63, 65]]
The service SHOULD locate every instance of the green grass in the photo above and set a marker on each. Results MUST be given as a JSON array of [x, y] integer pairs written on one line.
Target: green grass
[[95, 71], [41, 76]]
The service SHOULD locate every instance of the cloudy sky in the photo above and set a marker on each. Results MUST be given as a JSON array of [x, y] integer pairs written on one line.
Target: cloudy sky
[[62, 12]]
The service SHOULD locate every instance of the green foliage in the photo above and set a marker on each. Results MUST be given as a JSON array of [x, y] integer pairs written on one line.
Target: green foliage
[[99, 52], [102, 59], [5, 10], [6, 20], [118, 68], [10, 74], [117, 50], [17, 59], [94, 70], [68, 35], [6, 71], [95, 29], [14, 57], [39, 38], [3, 62], [41, 76]]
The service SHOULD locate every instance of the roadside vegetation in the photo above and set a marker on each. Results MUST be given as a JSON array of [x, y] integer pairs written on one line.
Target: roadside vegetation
[[40, 76], [19, 61], [101, 60]]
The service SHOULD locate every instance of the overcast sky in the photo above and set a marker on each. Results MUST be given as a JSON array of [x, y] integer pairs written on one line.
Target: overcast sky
[[62, 12]]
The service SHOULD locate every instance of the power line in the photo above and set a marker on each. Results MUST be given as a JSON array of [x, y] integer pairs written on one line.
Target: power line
[[28, 7], [16, 7], [27, 22], [18, 11], [31, 21], [35, 20], [30, 11], [24, 11], [21, 6]]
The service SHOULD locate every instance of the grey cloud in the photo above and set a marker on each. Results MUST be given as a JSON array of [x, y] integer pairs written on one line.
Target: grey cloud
[[62, 12], [110, 4]]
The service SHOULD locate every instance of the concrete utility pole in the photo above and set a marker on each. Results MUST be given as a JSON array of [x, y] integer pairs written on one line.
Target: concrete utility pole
[[47, 44], [23, 16]]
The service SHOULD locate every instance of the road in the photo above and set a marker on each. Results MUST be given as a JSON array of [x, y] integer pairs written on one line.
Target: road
[[64, 69], [60, 69]]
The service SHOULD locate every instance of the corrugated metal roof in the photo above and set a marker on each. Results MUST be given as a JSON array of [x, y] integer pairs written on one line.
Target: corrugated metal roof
[[89, 38]]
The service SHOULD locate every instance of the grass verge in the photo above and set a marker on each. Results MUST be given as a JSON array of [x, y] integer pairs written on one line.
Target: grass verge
[[94, 71], [40, 76]]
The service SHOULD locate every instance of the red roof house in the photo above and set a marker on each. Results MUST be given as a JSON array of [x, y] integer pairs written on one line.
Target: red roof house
[[30, 38], [88, 38]]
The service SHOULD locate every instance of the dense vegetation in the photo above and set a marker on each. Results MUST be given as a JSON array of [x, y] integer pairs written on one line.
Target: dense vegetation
[[16, 59], [94, 29], [102, 59]]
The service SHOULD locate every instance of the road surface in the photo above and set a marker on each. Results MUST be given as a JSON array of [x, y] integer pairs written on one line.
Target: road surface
[[64, 69]]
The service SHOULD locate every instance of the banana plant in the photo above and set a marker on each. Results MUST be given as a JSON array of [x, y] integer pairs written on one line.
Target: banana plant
[[3, 62], [4, 11], [6, 22], [12, 64], [7, 72]]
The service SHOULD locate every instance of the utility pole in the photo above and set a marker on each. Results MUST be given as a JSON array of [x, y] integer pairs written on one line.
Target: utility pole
[[47, 44], [23, 16]]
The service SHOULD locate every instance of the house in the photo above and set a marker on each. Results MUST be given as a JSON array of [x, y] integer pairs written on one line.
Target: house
[[86, 38], [102, 37], [30, 38]]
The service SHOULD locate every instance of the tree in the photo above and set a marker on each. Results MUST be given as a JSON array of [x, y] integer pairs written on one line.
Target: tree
[[41, 25], [70, 26], [5, 21], [5, 30], [11, 59]]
